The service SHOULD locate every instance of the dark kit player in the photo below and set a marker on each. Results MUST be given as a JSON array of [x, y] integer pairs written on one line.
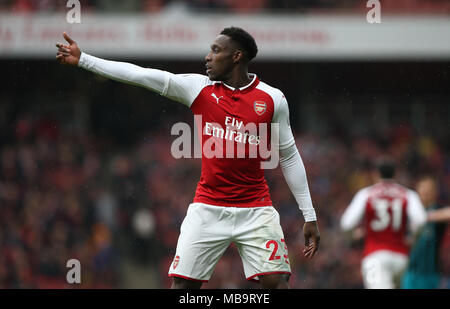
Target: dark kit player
[[232, 203]]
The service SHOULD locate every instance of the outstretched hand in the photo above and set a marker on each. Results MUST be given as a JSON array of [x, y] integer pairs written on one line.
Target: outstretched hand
[[68, 54], [312, 238]]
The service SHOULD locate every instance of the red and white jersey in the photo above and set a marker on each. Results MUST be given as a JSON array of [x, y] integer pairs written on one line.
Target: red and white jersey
[[231, 119], [388, 209]]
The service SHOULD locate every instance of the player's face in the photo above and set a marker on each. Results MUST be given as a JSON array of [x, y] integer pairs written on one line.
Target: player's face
[[221, 58], [427, 192]]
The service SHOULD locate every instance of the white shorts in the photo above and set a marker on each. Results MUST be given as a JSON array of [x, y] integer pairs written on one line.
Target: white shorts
[[381, 268], [207, 231]]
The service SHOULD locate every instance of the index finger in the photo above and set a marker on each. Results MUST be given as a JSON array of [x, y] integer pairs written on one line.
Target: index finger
[[311, 251], [67, 37], [314, 247]]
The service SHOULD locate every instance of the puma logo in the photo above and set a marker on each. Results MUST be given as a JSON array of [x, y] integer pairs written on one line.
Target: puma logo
[[215, 97]]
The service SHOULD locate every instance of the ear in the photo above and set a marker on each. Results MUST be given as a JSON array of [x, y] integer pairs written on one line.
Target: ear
[[238, 56]]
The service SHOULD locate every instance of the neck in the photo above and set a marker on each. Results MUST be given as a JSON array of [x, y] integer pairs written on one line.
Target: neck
[[238, 78], [429, 204], [387, 179]]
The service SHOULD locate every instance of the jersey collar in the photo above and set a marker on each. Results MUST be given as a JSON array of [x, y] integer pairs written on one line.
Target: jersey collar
[[254, 82]]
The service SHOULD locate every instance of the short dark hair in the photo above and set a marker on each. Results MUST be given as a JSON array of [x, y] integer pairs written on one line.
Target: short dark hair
[[386, 168], [243, 39]]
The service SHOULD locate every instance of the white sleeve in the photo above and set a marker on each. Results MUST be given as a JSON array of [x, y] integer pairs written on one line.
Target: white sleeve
[[415, 210], [355, 211], [290, 160], [183, 88], [283, 129], [295, 175]]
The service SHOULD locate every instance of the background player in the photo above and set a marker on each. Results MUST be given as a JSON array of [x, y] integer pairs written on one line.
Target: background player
[[423, 270], [232, 202], [387, 209]]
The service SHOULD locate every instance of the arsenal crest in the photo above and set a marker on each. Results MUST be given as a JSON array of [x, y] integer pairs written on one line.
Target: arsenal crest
[[260, 107], [176, 261]]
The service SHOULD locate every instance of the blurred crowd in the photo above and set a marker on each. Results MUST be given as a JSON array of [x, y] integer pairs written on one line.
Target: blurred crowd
[[70, 195], [50, 210], [235, 6], [86, 170]]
